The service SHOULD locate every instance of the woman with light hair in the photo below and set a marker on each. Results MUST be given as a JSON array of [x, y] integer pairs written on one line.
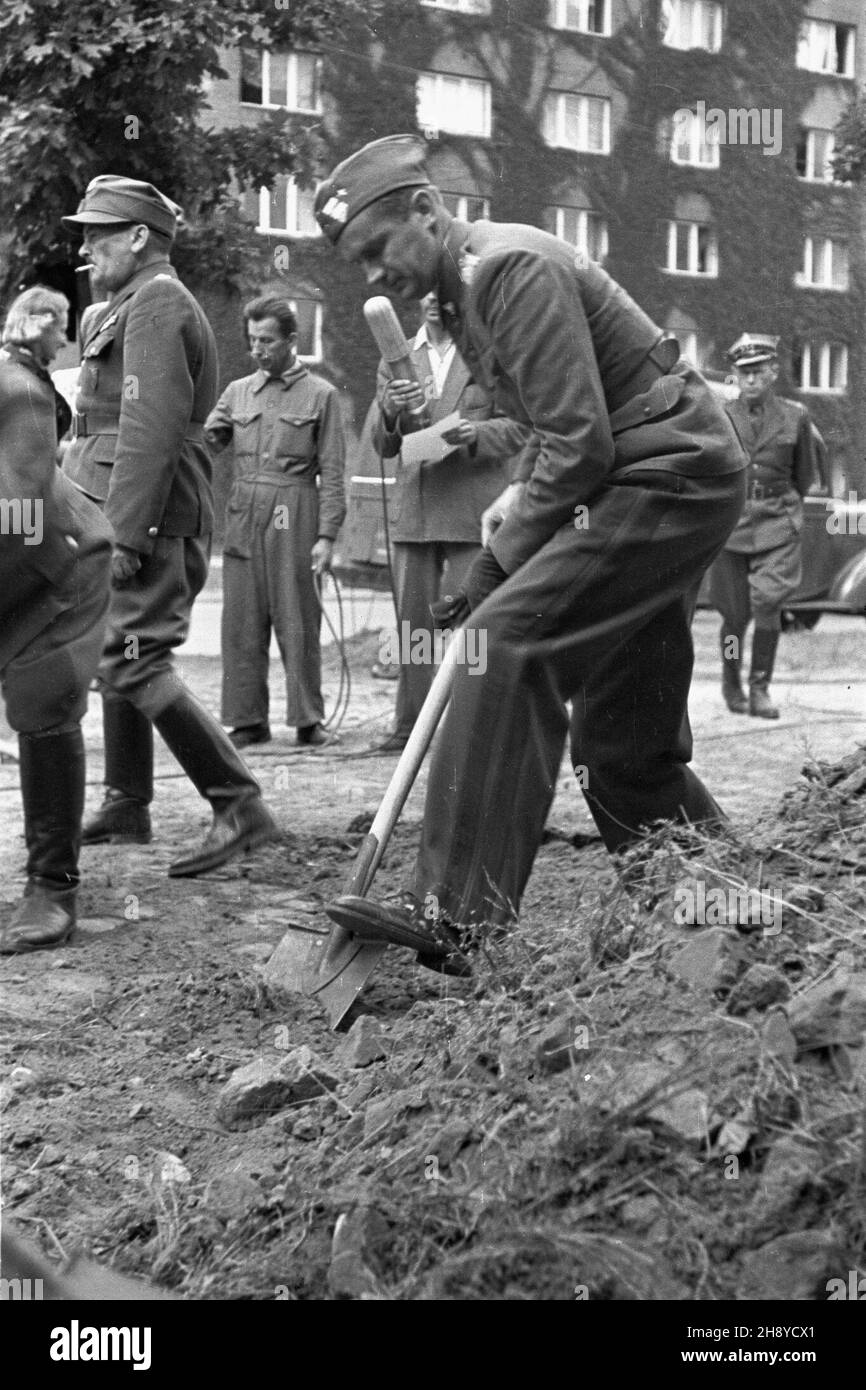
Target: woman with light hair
[[55, 555], [33, 334]]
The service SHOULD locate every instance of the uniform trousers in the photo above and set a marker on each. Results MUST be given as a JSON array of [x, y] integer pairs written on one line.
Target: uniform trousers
[[423, 571], [45, 684], [273, 588], [744, 586], [599, 616], [149, 617]]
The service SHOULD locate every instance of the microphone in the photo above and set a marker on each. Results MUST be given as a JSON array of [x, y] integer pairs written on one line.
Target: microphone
[[391, 342]]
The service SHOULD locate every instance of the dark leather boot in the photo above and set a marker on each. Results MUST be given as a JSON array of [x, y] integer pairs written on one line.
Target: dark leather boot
[[734, 696], [764, 644], [241, 819], [123, 817], [52, 790]]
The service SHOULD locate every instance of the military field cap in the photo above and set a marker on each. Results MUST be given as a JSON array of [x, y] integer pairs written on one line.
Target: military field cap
[[383, 166], [752, 348], [112, 198]]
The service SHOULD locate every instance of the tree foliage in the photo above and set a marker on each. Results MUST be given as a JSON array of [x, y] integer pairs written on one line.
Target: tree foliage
[[849, 161], [120, 86]]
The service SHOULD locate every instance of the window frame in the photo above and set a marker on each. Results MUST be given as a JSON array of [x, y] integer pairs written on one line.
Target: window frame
[[318, 316], [717, 9], [804, 277], [437, 125], [825, 347], [462, 213], [693, 254], [560, 98], [293, 192], [812, 25], [560, 210], [556, 18], [470, 7], [810, 133], [695, 144], [291, 55]]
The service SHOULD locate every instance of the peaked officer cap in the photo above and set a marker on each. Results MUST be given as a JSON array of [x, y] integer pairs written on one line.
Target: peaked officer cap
[[752, 348], [379, 168], [111, 198]]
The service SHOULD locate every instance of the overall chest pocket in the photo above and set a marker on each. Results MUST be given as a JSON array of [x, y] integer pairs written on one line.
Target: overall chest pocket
[[246, 433], [295, 436]]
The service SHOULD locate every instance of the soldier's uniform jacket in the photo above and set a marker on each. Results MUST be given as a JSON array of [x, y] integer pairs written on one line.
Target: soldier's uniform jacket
[[33, 575], [782, 468], [561, 347], [148, 380], [286, 430], [444, 500]]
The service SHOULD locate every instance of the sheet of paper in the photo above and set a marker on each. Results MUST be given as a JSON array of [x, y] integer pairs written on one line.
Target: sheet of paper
[[428, 445]]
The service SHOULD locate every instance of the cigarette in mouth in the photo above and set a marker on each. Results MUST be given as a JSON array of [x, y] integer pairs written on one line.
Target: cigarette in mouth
[[83, 269]]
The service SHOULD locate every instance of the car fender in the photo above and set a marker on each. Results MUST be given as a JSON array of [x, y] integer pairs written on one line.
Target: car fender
[[849, 586]]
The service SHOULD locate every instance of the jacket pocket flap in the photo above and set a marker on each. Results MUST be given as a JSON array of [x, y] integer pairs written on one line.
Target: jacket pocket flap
[[245, 418], [659, 400]]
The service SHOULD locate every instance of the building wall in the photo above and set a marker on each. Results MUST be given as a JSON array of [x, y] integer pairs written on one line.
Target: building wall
[[757, 205]]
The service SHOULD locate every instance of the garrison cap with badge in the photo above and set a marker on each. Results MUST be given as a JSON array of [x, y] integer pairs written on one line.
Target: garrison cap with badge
[[111, 199], [751, 349], [380, 168]]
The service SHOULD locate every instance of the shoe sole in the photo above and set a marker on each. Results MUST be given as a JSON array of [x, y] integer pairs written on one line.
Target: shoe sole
[[362, 920], [192, 868], [26, 948]]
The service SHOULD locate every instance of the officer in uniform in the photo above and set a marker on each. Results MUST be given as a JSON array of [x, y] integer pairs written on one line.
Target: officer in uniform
[[628, 487], [760, 566], [55, 557], [287, 432], [148, 380], [435, 512]]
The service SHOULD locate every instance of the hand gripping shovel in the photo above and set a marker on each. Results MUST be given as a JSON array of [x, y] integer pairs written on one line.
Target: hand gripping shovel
[[333, 966]]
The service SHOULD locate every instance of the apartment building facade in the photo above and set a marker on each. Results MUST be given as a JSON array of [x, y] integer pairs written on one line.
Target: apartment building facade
[[685, 144]]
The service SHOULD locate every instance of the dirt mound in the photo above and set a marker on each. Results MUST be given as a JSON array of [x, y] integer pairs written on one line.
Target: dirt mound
[[652, 1091]]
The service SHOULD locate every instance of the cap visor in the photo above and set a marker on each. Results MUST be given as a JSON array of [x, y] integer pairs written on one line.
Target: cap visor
[[94, 219]]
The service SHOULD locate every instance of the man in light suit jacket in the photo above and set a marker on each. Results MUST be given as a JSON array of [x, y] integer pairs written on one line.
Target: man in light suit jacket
[[436, 510]]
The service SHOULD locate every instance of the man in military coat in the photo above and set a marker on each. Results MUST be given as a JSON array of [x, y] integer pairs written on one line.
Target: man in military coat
[[436, 506], [628, 488], [285, 507], [761, 564], [55, 553], [148, 380]]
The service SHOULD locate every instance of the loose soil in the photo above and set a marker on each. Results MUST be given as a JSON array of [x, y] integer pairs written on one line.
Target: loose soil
[[616, 1106]]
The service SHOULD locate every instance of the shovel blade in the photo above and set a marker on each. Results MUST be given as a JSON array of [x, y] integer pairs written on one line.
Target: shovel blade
[[331, 966]]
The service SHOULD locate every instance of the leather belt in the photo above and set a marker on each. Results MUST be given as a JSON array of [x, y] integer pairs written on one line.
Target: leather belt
[[659, 361], [91, 423], [758, 491]]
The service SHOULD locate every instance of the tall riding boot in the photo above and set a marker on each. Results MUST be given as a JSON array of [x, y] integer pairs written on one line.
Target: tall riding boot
[[52, 790], [764, 644], [734, 695], [202, 747], [123, 817]]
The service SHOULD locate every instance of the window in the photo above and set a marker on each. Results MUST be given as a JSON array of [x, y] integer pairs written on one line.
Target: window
[[292, 80], [467, 206], [584, 229], [814, 153], [692, 24], [577, 122], [826, 47], [690, 346], [691, 248], [465, 6], [458, 104], [309, 315], [825, 264], [821, 366], [284, 208], [689, 143], [586, 16]]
